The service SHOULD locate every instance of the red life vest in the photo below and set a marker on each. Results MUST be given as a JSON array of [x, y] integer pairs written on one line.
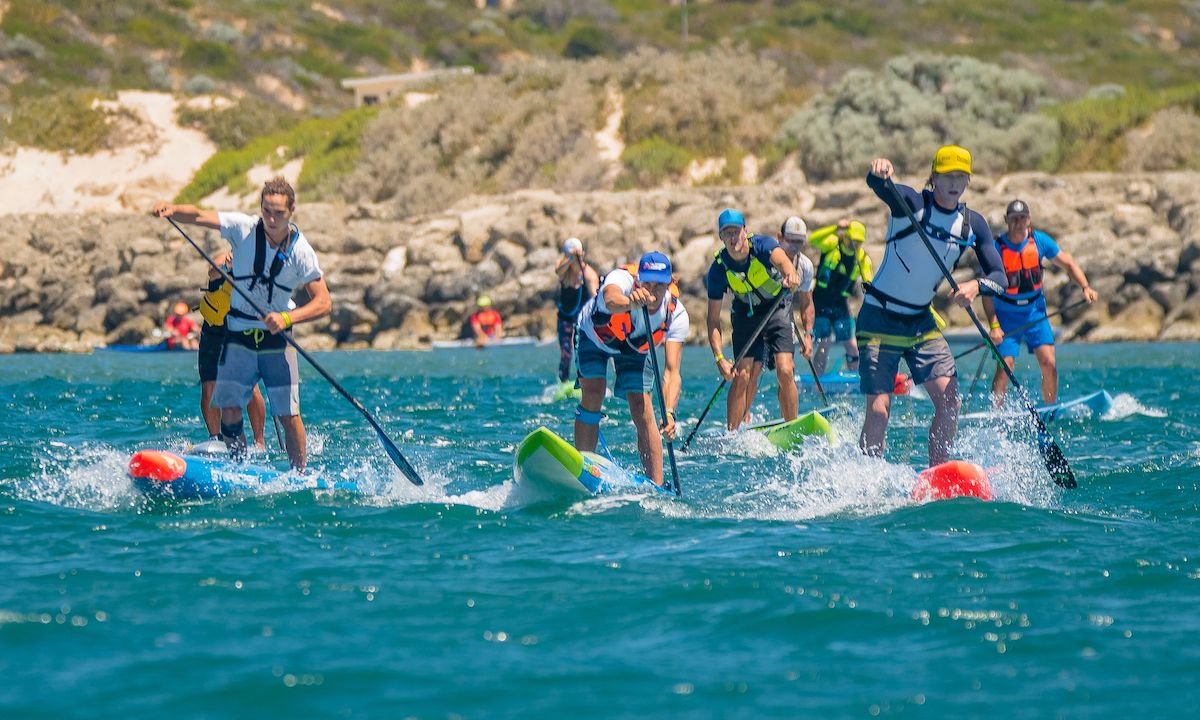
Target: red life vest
[[613, 328], [1022, 267], [488, 320]]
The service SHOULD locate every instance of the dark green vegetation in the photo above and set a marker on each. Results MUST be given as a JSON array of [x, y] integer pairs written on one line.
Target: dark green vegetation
[[1141, 55]]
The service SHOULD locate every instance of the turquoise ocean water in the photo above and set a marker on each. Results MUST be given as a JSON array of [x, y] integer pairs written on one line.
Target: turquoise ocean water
[[801, 585]]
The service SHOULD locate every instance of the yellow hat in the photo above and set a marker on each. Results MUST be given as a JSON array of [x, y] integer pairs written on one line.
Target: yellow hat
[[484, 301], [952, 158]]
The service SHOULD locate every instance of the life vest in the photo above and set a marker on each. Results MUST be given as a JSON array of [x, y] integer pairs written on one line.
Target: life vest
[[613, 329], [488, 319], [571, 300], [908, 277], [260, 264], [1023, 268], [757, 284], [831, 276], [214, 303]]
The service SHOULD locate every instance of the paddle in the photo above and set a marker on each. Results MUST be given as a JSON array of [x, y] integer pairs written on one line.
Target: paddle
[[753, 336], [1053, 458], [389, 446], [658, 391], [1026, 326], [813, 368]]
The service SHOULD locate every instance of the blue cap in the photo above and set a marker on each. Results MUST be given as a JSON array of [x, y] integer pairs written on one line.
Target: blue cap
[[728, 217], [654, 267]]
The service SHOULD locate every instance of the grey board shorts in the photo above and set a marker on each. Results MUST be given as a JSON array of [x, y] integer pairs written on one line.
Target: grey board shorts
[[249, 356], [885, 337]]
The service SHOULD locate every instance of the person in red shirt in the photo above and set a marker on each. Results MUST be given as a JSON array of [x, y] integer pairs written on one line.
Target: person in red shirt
[[181, 329], [486, 324]]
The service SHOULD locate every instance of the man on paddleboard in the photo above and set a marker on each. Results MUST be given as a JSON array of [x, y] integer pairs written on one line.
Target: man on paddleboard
[[896, 320], [843, 264], [612, 327], [761, 277], [1022, 250], [271, 260]]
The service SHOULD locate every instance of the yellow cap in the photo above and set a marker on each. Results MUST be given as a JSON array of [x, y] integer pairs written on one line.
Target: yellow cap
[[952, 158], [857, 231], [484, 301]]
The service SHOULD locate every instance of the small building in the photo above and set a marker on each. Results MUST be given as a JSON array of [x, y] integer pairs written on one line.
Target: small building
[[381, 88]]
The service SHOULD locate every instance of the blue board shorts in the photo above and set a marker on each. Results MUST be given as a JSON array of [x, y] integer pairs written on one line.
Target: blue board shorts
[[841, 327], [1014, 316], [635, 374], [885, 337], [247, 357]]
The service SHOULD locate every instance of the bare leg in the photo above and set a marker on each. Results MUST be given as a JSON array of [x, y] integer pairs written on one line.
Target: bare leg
[[587, 435], [851, 347], [789, 396], [232, 417], [821, 355], [741, 394], [1000, 381], [874, 431], [256, 410], [294, 438], [211, 415], [648, 438], [943, 392], [1049, 366]]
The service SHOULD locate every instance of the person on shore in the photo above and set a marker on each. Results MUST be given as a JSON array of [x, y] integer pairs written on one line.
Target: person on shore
[[843, 264], [180, 329], [578, 282], [485, 323], [757, 272], [271, 260], [214, 305], [612, 327], [1022, 250], [896, 320]]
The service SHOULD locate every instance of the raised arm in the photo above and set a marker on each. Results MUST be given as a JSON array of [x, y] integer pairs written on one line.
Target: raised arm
[[188, 214]]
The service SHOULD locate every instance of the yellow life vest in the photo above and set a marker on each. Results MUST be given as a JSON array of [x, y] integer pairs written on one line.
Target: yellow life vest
[[758, 281], [214, 304]]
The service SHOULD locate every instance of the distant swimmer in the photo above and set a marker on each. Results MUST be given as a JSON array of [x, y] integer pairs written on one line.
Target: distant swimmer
[[271, 260], [896, 320], [612, 327], [844, 264], [578, 282], [180, 329], [214, 305], [486, 323], [1022, 250]]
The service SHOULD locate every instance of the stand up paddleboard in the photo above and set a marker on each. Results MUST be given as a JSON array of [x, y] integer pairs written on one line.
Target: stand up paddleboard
[[550, 465], [956, 478], [514, 341], [187, 477], [787, 434], [1094, 404]]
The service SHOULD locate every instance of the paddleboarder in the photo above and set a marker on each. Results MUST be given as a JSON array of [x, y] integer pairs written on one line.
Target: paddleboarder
[[844, 263], [896, 320], [1022, 250], [578, 282], [757, 271], [180, 329], [271, 260], [485, 323], [612, 328]]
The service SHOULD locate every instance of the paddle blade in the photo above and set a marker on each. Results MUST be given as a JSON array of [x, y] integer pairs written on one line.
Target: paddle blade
[[394, 453], [1052, 456]]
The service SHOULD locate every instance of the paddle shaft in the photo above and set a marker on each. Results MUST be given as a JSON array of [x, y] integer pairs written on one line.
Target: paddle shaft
[[389, 446], [658, 391], [811, 366], [1025, 326], [1056, 463], [753, 336]]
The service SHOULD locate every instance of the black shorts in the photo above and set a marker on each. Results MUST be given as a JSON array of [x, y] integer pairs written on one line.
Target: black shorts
[[778, 336], [212, 338]]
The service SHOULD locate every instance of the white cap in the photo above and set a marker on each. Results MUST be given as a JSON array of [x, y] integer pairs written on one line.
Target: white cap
[[572, 244], [794, 227]]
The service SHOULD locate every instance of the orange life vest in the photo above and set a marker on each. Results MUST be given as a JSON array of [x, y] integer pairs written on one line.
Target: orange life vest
[[1022, 267], [488, 320], [613, 328]]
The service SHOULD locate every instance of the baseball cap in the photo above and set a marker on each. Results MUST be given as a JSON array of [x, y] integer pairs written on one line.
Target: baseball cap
[[572, 244], [857, 231], [952, 158], [484, 301], [794, 227], [1017, 207], [654, 267], [728, 217]]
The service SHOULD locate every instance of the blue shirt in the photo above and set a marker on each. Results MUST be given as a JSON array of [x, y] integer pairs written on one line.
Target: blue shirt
[[761, 247]]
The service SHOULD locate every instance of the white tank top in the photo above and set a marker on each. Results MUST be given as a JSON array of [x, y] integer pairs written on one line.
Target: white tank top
[[907, 272]]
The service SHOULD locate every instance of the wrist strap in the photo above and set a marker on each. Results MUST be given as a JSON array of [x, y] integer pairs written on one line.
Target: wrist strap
[[995, 325], [287, 319], [719, 357]]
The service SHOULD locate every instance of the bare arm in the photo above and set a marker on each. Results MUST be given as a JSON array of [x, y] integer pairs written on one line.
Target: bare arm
[[318, 306], [1064, 260], [591, 278], [188, 215], [783, 264], [672, 379], [221, 259], [715, 341]]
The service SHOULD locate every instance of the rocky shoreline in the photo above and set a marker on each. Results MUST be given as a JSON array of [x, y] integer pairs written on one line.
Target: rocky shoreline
[[73, 282]]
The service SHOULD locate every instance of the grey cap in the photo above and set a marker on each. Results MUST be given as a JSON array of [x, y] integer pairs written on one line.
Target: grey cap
[[1017, 207], [794, 227]]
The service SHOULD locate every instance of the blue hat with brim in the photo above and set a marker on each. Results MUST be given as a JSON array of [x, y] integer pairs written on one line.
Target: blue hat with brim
[[730, 217], [654, 267]]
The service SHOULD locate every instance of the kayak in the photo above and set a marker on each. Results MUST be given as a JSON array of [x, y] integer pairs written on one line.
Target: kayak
[[514, 341], [787, 434], [1093, 404], [165, 474], [956, 478], [547, 464], [160, 347]]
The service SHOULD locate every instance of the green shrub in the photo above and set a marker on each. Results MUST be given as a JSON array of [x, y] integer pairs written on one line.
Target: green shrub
[[654, 160], [588, 41], [68, 122], [1094, 128], [212, 58], [236, 125], [1170, 142]]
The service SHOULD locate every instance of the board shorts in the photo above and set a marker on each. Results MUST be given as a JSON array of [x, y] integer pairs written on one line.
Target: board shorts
[[778, 336], [247, 357], [1014, 316], [884, 337], [212, 339], [841, 327], [635, 374]]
